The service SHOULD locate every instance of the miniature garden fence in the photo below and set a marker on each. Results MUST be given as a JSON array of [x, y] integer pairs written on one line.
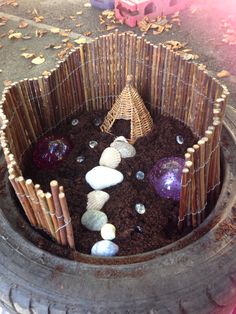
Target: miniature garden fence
[[90, 78]]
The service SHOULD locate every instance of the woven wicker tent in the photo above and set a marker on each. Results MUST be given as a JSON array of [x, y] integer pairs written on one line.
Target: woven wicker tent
[[129, 106]]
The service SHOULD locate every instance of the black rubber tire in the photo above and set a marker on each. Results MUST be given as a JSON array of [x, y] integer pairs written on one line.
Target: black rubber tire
[[197, 274]]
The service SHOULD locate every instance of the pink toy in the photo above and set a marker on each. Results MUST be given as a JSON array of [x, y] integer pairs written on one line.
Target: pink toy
[[132, 11]]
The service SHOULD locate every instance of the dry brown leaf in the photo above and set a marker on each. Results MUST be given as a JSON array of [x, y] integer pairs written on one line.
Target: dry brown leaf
[[223, 74], [27, 55], [3, 35], [38, 60], [1, 46], [78, 25], [64, 33], [175, 45], [87, 5], [3, 20], [188, 56], [23, 24], [87, 33], [15, 36], [40, 33], [7, 83], [110, 27], [57, 47], [72, 17], [81, 40], [38, 19], [46, 73], [26, 37], [55, 30]]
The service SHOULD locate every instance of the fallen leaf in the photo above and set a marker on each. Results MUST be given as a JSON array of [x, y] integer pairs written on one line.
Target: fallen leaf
[[23, 24], [27, 55], [87, 33], [188, 56], [38, 19], [87, 5], [78, 24], [26, 37], [110, 27], [40, 33], [1, 46], [46, 73], [79, 12], [15, 36], [81, 40], [55, 30], [7, 83], [61, 18], [223, 74], [38, 60], [65, 40], [72, 17], [3, 20], [57, 47], [175, 45]]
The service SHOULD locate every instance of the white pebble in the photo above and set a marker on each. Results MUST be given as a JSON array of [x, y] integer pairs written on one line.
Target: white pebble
[[108, 232], [94, 220], [101, 177], [104, 248]]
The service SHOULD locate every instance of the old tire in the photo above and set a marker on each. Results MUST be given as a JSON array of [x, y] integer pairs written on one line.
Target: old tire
[[197, 274]]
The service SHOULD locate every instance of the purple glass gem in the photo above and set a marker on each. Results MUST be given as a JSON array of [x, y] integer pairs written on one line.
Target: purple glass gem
[[165, 176], [50, 151]]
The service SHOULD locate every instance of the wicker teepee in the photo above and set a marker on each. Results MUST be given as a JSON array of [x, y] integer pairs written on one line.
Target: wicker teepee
[[129, 106]]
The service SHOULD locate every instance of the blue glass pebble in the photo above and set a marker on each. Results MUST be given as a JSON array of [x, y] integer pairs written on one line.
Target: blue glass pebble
[[140, 175]]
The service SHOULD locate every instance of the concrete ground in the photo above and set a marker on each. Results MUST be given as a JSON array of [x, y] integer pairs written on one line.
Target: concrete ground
[[201, 28]]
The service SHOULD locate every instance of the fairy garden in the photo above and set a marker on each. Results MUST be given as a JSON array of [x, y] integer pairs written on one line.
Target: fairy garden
[[123, 174]]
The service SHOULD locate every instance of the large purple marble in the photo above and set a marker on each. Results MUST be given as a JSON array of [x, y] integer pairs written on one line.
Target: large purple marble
[[50, 151], [165, 177]]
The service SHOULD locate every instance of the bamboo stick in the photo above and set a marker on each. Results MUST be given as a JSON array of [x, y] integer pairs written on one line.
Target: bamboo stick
[[35, 202], [201, 171], [46, 211], [58, 210], [53, 216], [67, 220], [197, 181], [23, 200], [183, 198]]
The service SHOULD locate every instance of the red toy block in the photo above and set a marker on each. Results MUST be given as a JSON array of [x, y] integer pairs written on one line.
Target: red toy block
[[132, 11]]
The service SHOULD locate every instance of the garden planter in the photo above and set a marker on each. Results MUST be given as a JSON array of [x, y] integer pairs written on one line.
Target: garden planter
[[196, 274]]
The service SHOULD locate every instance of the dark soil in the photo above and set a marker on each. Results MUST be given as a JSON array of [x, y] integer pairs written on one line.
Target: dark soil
[[135, 233]]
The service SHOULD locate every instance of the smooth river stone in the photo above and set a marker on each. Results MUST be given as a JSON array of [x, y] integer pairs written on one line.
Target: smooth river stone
[[104, 248], [126, 150], [108, 232], [101, 177], [94, 220]]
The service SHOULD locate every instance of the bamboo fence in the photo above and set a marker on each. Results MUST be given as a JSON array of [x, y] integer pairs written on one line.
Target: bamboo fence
[[90, 78]]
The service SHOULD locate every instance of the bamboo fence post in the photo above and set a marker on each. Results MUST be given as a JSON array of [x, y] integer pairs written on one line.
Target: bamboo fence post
[[201, 172], [191, 152], [189, 165], [51, 208], [58, 210], [23, 200], [35, 202], [67, 220], [183, 198], [46, 212]]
